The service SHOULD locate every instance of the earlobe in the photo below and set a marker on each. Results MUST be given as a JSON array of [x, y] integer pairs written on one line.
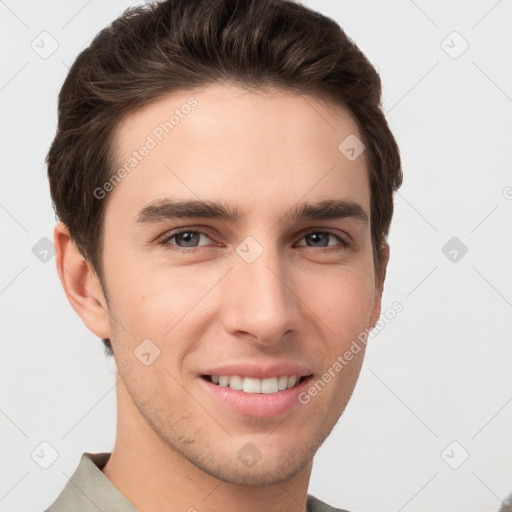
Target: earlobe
[[80, 283]]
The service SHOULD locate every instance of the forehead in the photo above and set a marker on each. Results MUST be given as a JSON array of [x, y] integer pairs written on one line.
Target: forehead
[[262, 149]]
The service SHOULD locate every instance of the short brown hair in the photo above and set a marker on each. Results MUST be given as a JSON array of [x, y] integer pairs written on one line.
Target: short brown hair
[[178, 45]]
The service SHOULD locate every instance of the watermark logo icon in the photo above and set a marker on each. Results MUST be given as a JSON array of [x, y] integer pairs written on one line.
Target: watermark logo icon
[[45, 45], [454, 45], [146, 352], [249, 455], [351, 147], [455, 455], [249, 250], [44, 250], [44, 455], [454, 249]]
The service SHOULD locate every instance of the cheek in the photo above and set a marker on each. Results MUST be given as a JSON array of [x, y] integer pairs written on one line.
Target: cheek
[[158, 301], [343, 299]]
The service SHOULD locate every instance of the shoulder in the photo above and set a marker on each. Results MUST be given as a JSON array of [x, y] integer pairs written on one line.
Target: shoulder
[[316, 505], [89, 490]]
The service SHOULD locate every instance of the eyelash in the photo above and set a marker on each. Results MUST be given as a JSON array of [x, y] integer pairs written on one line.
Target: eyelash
[[165, 241]]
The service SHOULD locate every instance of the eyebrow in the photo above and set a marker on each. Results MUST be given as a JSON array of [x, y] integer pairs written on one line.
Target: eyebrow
[[330, 209]]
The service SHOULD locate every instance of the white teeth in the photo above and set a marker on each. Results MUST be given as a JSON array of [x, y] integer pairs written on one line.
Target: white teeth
[[252, 385], [236, 383], [269, 385]]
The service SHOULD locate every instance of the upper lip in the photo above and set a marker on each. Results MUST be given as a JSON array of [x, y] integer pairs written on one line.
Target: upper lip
[[259, 370]]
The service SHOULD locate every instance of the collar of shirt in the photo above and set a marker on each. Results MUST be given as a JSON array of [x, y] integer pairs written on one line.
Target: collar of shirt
[[89, 490]]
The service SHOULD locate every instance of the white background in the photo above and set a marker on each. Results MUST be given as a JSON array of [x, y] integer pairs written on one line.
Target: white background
[[438, 373]]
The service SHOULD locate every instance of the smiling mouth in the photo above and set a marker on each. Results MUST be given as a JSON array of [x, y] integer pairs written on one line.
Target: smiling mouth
[[253, 385]]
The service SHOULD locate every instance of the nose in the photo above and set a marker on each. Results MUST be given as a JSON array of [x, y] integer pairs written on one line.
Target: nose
[[261, 304]]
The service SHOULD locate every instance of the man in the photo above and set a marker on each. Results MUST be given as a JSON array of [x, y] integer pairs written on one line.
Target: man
[[224, 179]]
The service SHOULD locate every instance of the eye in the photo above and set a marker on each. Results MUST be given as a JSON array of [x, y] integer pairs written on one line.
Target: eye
[[187, 237], [186, 240], [313, 236]]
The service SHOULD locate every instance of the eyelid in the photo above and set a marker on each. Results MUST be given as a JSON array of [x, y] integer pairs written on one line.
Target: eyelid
[[170, 234], [164, 239], [334, 232], [344, 242]]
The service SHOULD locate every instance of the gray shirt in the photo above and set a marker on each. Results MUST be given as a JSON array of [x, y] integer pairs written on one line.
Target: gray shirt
[[89, 490]]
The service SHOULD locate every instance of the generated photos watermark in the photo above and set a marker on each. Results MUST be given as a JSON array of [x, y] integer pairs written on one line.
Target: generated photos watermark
[[344, 359], [154, 138]]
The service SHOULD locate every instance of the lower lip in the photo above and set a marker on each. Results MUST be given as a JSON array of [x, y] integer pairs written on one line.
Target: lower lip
[[257, 404]]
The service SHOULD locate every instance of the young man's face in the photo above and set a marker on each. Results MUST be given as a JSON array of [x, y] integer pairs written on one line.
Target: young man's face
[[258, 296]]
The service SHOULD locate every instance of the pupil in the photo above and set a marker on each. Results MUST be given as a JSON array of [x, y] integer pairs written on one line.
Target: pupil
[[188, 236], [317, 235]]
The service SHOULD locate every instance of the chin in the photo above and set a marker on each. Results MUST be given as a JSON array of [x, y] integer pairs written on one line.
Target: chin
[[262, 473], [250, 467]]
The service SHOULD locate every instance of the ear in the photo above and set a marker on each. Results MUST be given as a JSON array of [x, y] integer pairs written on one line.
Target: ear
[[379, 284], [80, 283]]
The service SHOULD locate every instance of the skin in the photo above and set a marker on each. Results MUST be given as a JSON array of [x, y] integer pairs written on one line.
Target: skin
[[176, 447]]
